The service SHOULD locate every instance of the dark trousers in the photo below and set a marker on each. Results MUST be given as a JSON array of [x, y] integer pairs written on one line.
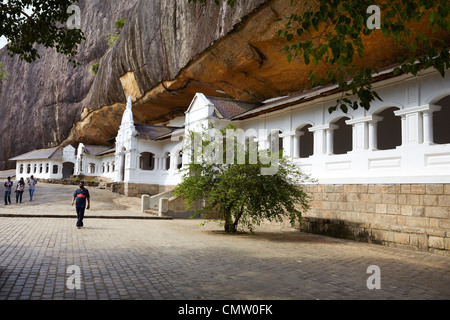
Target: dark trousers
[[80, 215], [19, 195], [7, 197]]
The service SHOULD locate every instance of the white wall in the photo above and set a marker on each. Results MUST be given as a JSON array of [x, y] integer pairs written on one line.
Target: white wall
[[418, 160], [37, 172]]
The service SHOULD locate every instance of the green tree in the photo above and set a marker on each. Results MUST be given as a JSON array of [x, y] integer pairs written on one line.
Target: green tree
[[94, 68], [46, 26], [112, 37], [331, 32], [3, 74], [242, 191]]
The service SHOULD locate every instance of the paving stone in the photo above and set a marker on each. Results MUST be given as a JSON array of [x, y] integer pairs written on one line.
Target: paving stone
[[178, 259]]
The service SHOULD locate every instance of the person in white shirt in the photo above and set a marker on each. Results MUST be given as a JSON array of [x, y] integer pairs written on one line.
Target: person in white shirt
[[32, 186]]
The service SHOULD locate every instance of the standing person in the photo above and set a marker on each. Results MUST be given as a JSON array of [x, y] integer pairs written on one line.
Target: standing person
[[8, 187], [32, 182], [19, 190], [79, 199]]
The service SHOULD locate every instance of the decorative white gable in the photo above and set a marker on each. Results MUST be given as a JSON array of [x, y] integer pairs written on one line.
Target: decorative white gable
[[200, 111]]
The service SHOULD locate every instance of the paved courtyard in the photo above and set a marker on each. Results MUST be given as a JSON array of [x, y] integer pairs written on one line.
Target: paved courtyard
[[138, 258]]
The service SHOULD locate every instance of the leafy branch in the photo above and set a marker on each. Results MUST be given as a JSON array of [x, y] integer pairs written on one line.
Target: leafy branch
[[46, 26], [340, 41], [330, 33]]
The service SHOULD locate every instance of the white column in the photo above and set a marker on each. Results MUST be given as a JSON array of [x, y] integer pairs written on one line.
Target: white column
[[428, 135], [296, 146], [158, 163], [373, 136], [296, 142], [289, 144], [330, 138], [330, 141], [414, 130], [322, 136]]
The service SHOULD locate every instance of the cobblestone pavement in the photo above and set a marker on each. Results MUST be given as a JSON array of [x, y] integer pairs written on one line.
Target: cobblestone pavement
[[180, 260]]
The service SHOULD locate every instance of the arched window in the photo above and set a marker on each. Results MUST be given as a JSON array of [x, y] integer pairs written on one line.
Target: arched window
[[41, 169], [343, 137], [306, 141], [55, 169], [180, 159], [147, 161], [29, 169], [389, 130], [91, 168], [21, 169], [441, 121], [47, 168], [167, 161]]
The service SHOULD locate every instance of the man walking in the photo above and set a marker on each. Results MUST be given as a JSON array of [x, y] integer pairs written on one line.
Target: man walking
[[8, 188], [80, 197]]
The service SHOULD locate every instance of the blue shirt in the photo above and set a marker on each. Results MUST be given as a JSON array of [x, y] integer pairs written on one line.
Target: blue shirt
[[81, 196]]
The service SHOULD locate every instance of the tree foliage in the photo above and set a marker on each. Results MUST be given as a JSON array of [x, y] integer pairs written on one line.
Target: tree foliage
[[3, 74], [238, 190], [331, 32], [45, 26], [112, 37]]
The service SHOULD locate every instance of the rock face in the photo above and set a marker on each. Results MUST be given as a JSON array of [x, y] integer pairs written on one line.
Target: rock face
[[42, 101], [167, 52]]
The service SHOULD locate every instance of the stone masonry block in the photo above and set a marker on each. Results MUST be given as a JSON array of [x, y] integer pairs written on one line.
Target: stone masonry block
[[402, 238], [405, 188], [381, 189], [394, 189], [447, 243], [444, 224], [351, 188], [406, 210], [420, 222], [413, 199], [363, 188], [417, 189], [436, 212], [446, 188], [393, 209], [389, 198], [444, 201], [375, 198], [436, 242], [418, 211], [435, 189], [430, 200], [401, 199], [381, 208]]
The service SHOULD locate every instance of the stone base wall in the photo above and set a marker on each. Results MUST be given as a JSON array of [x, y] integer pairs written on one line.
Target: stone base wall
[[409, 216], [137, 190]]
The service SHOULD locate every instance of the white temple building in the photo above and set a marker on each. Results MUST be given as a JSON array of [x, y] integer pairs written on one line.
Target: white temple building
[[403, 139]]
